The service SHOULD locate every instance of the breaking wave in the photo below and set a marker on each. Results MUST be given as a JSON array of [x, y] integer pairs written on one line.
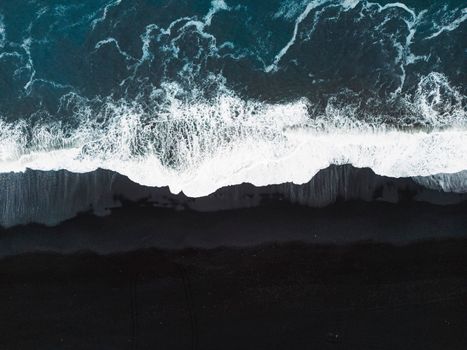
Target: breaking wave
[[201, 97]]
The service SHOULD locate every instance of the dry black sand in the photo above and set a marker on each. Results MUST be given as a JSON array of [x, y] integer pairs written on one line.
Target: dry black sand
[[259, 294]]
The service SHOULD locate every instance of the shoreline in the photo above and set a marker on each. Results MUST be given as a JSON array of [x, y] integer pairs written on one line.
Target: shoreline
[[51, 197]]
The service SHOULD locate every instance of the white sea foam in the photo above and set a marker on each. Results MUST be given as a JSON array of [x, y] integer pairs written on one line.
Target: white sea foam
[[2, 32], [297, 160], [311, 6], [402, 42], [102, 18], [216, 6], [196, 145], [452, 24], [290, 9]]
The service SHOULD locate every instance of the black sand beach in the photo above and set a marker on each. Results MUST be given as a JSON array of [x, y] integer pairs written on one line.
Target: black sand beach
[[278, 296], [375, 276]]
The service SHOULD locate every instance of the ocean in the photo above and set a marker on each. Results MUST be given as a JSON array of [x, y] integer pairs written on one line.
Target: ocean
[[198, 95]]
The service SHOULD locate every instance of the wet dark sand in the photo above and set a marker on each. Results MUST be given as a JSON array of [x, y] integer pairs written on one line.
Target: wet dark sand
[[138, 226], [243, 284]]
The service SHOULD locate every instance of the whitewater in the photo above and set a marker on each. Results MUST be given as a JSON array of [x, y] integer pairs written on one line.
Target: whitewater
[[195, 107], [232, 142]]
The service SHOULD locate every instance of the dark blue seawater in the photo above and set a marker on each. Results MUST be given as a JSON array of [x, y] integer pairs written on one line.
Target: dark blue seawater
[[70, 68]]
